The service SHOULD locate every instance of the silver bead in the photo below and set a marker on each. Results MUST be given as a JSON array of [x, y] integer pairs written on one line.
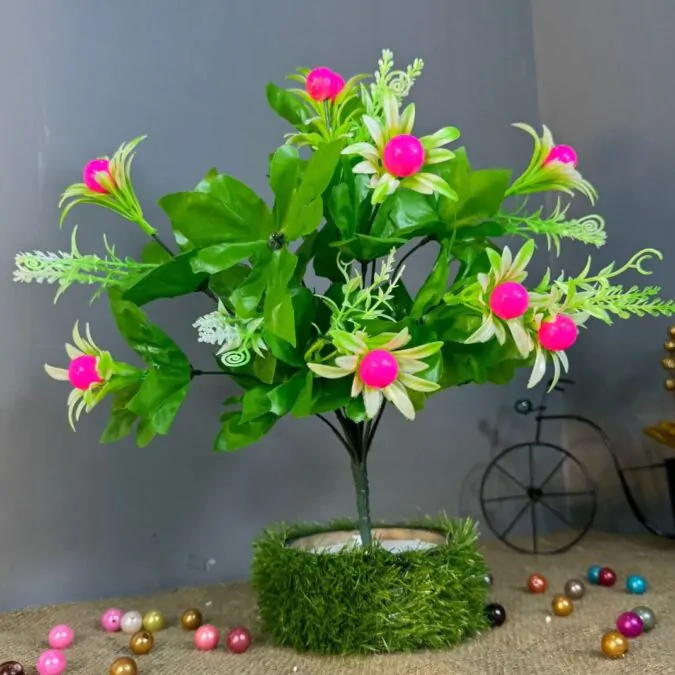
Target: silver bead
[[648, 617], [132, 622], [575, 589], [489, 581]]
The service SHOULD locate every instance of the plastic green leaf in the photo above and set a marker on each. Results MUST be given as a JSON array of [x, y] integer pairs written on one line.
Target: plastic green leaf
[[236, 434], [278, 305]]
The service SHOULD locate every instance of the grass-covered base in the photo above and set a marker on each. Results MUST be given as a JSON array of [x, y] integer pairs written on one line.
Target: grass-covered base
[[370, 600]]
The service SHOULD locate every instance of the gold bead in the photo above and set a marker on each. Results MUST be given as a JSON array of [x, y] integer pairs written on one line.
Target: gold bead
[[142, 642], [562, 605], [614, 645], [154, 621], [669, 384], [671, 332], [668, 363], [191, 619], [124, 666], [669, 345]]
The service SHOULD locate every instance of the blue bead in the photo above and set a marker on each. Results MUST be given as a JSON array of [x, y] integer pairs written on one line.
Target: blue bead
[[636, 584], [593, 574]]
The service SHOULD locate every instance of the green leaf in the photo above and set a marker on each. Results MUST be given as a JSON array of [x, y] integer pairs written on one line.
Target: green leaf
[[145, 432], [284, 396], [169, 280], [341, 210], [365, 247], [160, 396], [406, 214], [255, 404], [434, 287], [285, 170], [155, 253], [325, 259], [321, 395], [402, 301], [319, 171], [119, 426], [214, 259], [226, 283], [286, 105], [486, 194], [307, 219], [278, 306], [356, 410], [246, 298], [236, 434], [265, 368]]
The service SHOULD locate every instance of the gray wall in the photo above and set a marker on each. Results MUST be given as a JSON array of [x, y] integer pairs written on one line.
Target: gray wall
[[78, 520], [606, 86]]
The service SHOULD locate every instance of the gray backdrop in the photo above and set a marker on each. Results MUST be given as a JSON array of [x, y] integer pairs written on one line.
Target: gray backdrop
[[79, 520]]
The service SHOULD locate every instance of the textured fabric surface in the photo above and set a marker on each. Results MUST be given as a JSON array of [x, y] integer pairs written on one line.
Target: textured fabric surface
[[527, 643]]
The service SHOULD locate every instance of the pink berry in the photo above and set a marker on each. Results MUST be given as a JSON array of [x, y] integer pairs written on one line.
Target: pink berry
[[207, 638], [61, 637], [564, 154], [51, 662], [91, 169], [82, 372], [403, 156], [111, 621], [378, 369], [509, 300], [324, 84], [238, 640], [559, 334]]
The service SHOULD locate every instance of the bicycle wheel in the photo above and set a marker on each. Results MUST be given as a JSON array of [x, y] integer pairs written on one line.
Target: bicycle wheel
[[526, 501]]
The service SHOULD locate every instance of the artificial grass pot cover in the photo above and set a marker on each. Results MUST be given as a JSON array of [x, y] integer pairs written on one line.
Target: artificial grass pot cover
[[368, 599]]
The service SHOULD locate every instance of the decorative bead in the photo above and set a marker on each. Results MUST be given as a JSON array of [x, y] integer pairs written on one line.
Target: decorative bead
[[562, 605], [614, 645], [669, 345], [496, 614], [559, 334], [647, 616], [132, 622], [207, 637], [51, 662], [403, 156], [636, 584], [276, 241], [11, 668], [191, 619], [142, 642], [607, 577], [564, 154], [324, 84], [575, 589], [669, 384], [238, 640], [111, 621], [509, 300], [378, 368], [629, 624], [90, 171], [523, 406], [593, 574], [82, 372], [537, 584], [123, 666], [489, 580], [61, 637], [154, 621]]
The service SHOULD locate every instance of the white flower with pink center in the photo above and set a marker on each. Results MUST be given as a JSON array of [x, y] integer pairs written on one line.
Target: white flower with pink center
[[381, 369], [396, 158]]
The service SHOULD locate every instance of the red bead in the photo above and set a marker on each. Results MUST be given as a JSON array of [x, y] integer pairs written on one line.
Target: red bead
[[238, 640], [537, 584], [607, 577]]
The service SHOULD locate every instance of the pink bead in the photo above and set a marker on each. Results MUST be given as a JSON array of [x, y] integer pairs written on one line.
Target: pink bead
[[403, 156], [378, 368], [92, 168], [207, 637], [51, 662], [324, 84], [61, 637], [629, 624], [82, 372], [509, 300], [558, 335], [111, 621], [564, 154]]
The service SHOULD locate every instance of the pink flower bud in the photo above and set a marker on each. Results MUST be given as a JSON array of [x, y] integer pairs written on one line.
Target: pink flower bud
[[403, 156], [324, 84], [564, 154], [378, 368], [509, 300], [90, 175], [559, 334], [82, 372]]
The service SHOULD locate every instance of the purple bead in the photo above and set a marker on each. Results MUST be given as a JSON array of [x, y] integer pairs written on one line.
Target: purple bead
[[629, 624]]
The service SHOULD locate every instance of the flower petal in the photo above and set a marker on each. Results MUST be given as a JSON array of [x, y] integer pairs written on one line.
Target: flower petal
[[73, 352], [349, 342], [421, 352], [372, 399], [438, 155], [386, 186], [440, 138], [399, 397], [507, 258], [357, 386], [500, 332], [77, 339], [391, 118], [347, 362], [407, 365], [399, 340], [564, 361], [366, 167], [520, 336], [523, 257], [483, 333], [375, 130], [329, 372], [417, 383], [428, 183], [365, 149], [407, 119], [538, 370], [56, 373]]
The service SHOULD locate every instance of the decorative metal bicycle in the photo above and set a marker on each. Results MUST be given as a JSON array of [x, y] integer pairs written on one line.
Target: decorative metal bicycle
[[532, 497]]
